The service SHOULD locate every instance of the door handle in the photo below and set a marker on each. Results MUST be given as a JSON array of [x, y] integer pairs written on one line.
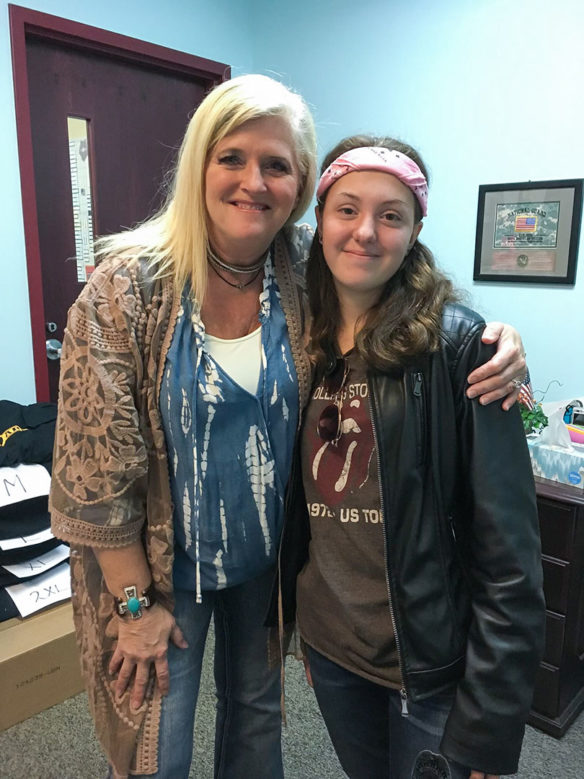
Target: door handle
[[54, 349]]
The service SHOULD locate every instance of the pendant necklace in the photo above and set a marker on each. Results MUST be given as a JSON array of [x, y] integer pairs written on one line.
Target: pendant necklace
[[239, 284], [256, 269]]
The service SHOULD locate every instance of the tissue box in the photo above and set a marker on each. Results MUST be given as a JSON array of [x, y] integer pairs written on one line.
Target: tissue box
[[557, 463], [576, 433]]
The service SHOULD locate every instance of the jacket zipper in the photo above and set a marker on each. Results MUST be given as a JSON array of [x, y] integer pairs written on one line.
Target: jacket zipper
[[417, 391], [403, 693]]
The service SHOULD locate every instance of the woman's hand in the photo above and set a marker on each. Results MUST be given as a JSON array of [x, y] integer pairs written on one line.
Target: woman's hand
[[141, 643], [494, 380], [481, 775]]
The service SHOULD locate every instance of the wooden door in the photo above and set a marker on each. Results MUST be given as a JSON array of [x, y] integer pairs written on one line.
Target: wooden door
[[135, 100]]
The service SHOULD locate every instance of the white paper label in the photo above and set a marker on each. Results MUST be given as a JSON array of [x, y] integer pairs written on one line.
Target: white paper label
[[79, 164], [42, 591], [20, 543], [22, 483], [40, 564]]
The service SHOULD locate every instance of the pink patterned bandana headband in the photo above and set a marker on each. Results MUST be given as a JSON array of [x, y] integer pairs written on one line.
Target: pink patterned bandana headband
[[378, 158]]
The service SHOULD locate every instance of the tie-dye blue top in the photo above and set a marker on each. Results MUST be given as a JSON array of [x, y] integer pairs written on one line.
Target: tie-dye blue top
[[229, 451]]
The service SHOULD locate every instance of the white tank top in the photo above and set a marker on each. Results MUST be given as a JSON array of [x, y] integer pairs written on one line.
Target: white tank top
[[240, 358]]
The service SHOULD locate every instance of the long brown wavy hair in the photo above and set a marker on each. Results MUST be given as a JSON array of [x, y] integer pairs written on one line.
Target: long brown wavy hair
[[406, 320]]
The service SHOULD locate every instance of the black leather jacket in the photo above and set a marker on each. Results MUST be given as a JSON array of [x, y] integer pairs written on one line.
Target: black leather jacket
[[462, 546]]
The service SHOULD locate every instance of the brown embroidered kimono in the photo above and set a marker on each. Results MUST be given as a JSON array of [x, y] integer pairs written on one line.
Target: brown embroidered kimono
[[110, 473]]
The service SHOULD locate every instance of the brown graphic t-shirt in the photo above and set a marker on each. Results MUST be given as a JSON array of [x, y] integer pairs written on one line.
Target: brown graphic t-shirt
[[343, 600]]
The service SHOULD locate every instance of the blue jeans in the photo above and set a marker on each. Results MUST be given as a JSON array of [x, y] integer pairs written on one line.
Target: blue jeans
[[371, 737], [248, 721]]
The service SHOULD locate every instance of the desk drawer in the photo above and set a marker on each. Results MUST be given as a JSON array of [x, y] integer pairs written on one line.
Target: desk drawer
[[555, 626], [556, 581], [546, 697], [556, 525]]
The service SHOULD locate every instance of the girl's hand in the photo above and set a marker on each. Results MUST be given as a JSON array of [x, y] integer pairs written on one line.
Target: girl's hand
[[141, 643], [494, 380]]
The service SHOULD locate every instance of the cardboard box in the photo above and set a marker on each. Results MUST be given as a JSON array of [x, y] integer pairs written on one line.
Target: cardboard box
[[39, 663], [556, 463]]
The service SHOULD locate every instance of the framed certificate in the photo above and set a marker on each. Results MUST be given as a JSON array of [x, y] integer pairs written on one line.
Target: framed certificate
[[528, 231]]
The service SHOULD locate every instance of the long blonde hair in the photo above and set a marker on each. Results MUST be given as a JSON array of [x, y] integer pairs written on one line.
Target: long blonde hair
[[176, 239]]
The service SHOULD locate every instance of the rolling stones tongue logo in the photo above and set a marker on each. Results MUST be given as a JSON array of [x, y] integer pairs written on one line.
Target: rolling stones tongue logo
[[341, 470]]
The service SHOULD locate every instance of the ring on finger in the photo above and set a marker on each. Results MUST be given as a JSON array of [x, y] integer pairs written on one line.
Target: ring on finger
[[516, 383]]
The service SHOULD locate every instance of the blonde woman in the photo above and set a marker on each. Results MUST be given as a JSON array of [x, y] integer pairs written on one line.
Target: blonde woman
[[183, 377]]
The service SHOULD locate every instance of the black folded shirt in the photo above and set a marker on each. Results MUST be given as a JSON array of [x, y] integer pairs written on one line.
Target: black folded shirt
[[24, 518], [24, 553], [7, 606], [27, 433]]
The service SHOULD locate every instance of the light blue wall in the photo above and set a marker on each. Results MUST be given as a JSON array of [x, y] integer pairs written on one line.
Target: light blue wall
[[488, 90], [216, 29]]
